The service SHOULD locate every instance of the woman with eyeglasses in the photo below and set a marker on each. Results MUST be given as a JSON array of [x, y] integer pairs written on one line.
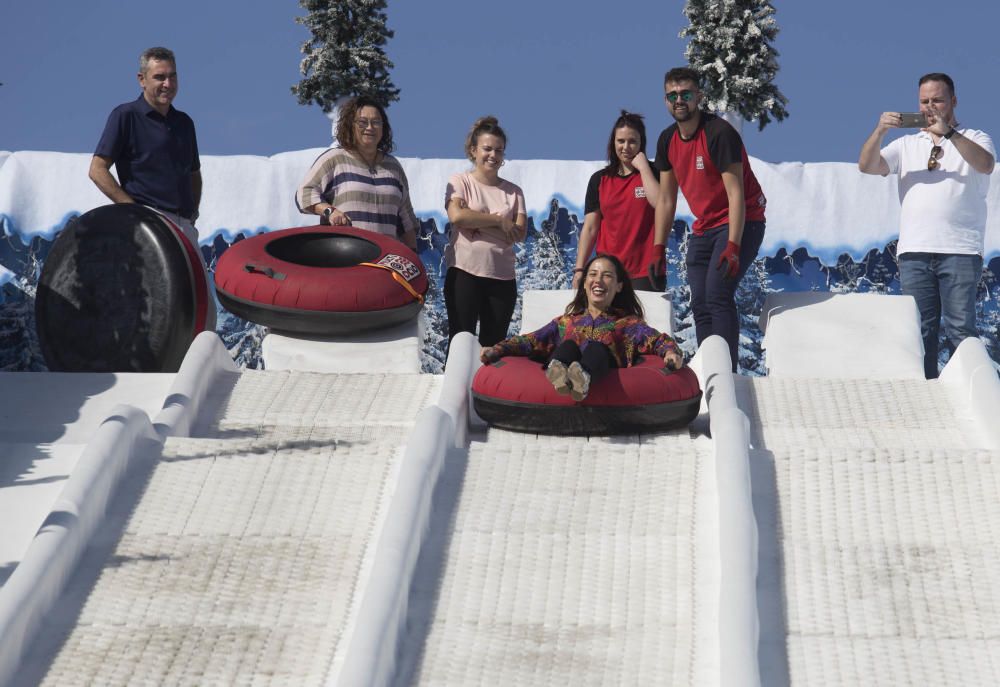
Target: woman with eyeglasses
[[620, 207], [487, 216], [359, 183]]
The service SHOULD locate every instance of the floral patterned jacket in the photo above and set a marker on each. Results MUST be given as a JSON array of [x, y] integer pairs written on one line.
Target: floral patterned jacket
[[626, 336]]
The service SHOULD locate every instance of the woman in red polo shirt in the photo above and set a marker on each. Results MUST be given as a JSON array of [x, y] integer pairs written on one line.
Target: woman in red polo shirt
[[620, 206]]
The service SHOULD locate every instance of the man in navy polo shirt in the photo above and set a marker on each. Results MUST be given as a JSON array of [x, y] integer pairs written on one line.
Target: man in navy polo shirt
[[153, 147]]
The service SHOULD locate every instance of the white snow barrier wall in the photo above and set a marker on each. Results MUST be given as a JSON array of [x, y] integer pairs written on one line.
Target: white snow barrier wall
[[739, 627], [828, 207]]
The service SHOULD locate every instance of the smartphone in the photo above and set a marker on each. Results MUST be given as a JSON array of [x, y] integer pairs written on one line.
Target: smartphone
[[913, 120]]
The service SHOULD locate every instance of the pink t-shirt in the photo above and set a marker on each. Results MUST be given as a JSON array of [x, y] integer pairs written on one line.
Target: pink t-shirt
[[477, 252]]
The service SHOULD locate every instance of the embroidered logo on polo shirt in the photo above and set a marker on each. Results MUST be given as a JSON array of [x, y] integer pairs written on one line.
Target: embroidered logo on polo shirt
[[640, 192], [699, 162]]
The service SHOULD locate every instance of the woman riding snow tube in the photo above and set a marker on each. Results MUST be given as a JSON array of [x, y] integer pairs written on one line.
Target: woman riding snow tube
[[606, 370]]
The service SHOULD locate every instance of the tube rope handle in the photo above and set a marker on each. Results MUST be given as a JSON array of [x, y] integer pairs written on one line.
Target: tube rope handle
[[398, 278]]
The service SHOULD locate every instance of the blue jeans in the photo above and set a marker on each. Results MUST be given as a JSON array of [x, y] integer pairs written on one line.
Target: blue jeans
[[713, 296], [943, 284]]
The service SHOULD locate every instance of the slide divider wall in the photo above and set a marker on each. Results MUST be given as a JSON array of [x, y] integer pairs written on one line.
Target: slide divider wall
[[205, 364], [372, 646], [972, 373], [739, 625], [36, 583]]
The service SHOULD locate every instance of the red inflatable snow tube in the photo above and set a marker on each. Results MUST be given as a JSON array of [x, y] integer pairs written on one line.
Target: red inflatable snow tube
[[513, 393], [321, 280]]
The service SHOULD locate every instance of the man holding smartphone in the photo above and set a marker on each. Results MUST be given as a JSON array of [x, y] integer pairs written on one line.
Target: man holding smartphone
[[944, 176]]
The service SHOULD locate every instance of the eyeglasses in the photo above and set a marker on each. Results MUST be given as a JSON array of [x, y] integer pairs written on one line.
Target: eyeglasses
[[685, 95], [932, 161], [365, 123]]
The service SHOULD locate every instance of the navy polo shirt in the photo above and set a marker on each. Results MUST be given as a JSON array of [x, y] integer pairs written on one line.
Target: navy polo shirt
[[153, 155]]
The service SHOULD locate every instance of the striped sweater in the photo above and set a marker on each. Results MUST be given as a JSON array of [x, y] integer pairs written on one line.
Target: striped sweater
[[376, 200], [626, 336]]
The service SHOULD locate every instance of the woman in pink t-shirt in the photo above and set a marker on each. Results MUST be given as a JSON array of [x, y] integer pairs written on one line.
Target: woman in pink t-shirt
[[487, 216]]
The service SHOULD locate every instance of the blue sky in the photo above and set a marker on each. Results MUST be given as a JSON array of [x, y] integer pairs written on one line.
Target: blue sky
[[555, 73]]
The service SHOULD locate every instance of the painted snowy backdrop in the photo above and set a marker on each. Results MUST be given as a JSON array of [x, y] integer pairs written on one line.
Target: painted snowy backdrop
[[829, 228]]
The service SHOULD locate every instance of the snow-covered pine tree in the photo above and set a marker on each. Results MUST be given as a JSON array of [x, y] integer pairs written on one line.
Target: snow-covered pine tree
[[19, 347], [730, 46], [548, 263], [345, 56]]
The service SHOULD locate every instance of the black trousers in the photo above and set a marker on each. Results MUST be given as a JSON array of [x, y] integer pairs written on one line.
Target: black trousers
[[595, 357], [470, 300], [644, 284]]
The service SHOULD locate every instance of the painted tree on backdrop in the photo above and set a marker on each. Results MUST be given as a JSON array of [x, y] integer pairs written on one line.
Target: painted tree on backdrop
[[345, 56], [730, 46]]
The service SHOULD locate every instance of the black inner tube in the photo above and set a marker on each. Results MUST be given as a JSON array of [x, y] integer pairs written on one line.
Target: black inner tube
[[323, 250], [116, 294]]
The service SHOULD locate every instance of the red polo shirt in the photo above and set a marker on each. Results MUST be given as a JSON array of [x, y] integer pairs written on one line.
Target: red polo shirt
[[626, 229], [698, 163]]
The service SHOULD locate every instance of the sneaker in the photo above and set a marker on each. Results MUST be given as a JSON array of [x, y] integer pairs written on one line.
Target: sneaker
[[579, 380], [556, 373]]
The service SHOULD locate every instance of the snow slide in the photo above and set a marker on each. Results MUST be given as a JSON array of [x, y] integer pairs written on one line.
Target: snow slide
[[876, 499]]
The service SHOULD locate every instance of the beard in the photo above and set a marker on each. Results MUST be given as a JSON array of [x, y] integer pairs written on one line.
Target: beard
[[685, 114]]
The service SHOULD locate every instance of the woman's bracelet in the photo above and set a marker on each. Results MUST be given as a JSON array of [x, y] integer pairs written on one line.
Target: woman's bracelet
[[577, 269]]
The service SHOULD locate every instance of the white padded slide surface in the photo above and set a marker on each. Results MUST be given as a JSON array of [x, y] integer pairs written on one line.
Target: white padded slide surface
[[396, 349], [575, 562], [887, 533], [268, 401], [891, 561], [856, 335], [850, 413], [243, 558]]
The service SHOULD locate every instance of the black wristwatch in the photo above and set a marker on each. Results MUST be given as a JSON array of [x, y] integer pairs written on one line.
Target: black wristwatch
[[328, 211], [951, 132]]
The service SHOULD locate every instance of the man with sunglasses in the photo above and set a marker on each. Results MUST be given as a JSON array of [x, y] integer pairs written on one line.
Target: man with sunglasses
[[944, 176], [704, 156]]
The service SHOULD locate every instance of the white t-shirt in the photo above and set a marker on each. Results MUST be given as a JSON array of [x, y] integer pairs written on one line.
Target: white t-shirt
[[942, 210], [478, 252]]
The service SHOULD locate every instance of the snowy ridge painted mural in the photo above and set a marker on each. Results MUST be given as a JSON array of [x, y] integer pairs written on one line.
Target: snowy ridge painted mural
[[829, 229]]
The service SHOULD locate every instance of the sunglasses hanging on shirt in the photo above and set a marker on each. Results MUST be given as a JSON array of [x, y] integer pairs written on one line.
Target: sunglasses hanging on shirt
[[932, 161]]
